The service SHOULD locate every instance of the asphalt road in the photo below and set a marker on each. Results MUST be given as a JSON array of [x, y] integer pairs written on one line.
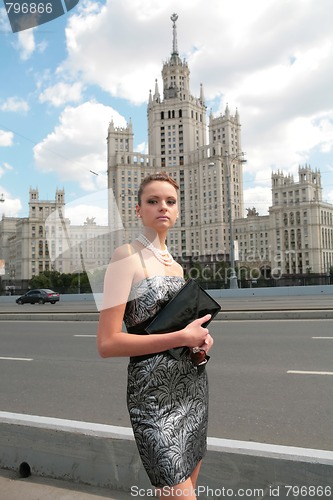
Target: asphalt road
[[249, 303], [252, 395]]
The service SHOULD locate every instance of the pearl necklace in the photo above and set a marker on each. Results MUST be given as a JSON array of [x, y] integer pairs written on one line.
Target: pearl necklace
[[163, 256]]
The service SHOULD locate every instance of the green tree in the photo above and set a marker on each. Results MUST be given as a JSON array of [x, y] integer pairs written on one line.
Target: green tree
[[62, 282], [79, 283], [43, 280]]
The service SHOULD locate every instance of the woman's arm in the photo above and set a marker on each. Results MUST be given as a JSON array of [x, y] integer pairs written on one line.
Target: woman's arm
[[112, 341]]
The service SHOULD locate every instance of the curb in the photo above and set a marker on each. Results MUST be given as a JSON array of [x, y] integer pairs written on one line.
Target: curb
[[71, 316], [222, 316], [276, 315], [106, 456]]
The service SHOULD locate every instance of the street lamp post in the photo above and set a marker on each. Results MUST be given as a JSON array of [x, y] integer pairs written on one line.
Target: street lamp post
[[229, 159]]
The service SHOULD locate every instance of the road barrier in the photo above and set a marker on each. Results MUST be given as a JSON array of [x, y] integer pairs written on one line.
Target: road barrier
[[106, 456]]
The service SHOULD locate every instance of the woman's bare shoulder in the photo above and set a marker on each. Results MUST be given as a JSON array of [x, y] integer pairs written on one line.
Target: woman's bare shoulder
[[119, 276], [123, 252], [180, 270]]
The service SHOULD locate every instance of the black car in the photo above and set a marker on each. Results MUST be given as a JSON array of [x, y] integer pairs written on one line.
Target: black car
[[39, 296]]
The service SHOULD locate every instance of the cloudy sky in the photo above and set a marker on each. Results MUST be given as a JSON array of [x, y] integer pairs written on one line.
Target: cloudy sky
[[63, 82]]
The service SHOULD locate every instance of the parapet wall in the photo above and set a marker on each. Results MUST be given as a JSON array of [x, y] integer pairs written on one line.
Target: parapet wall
[[106, 456]]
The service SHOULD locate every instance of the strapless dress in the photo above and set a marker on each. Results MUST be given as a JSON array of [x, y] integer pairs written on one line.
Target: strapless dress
[[167, 398]]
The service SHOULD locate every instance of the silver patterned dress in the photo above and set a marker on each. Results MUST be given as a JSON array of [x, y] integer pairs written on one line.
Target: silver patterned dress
[[167, 398]]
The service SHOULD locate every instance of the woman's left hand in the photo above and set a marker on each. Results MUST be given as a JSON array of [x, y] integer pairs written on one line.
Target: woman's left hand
[[207, 345]]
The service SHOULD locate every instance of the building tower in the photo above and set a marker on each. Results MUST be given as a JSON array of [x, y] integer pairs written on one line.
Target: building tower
[[30, 247], [205, 162], [302, 222], [176, 122]]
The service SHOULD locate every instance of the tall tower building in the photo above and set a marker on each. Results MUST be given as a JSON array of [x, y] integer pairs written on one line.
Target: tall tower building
[[205, 161], [177, 120]]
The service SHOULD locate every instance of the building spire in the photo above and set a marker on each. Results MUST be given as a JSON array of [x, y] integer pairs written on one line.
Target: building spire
[[202, 95], [174, 18]]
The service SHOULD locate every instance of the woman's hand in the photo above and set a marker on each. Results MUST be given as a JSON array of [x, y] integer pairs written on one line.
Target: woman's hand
[[208, 344], [195, 334]]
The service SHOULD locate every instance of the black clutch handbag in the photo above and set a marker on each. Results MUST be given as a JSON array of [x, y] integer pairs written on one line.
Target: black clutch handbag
[[190, 302]]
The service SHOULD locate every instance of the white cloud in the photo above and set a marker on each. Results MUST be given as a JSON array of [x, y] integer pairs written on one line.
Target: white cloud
[[258, 197], [6, 138], [330, 197], [78, 215], [10, 207], [4, 168], [26, 43], [142, 148], [78, 145], [15, 104], [125, 36], [91, 206], [62, 93], [4, 22]]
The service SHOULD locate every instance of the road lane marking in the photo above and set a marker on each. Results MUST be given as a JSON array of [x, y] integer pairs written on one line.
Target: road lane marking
[[16, 359], [85, 335], [330, 338], [304, 372]]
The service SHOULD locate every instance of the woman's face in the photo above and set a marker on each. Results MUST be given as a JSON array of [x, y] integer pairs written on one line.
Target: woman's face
[[159, 206]]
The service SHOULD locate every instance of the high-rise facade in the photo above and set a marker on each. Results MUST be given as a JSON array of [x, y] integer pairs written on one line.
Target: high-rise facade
[[195, 155], [296, 237], [302, 224]]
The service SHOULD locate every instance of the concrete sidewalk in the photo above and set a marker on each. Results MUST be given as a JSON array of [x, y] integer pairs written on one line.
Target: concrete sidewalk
[[12, 487]]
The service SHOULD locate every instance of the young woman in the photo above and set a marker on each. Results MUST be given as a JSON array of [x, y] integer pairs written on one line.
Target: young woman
[[167, 397]]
